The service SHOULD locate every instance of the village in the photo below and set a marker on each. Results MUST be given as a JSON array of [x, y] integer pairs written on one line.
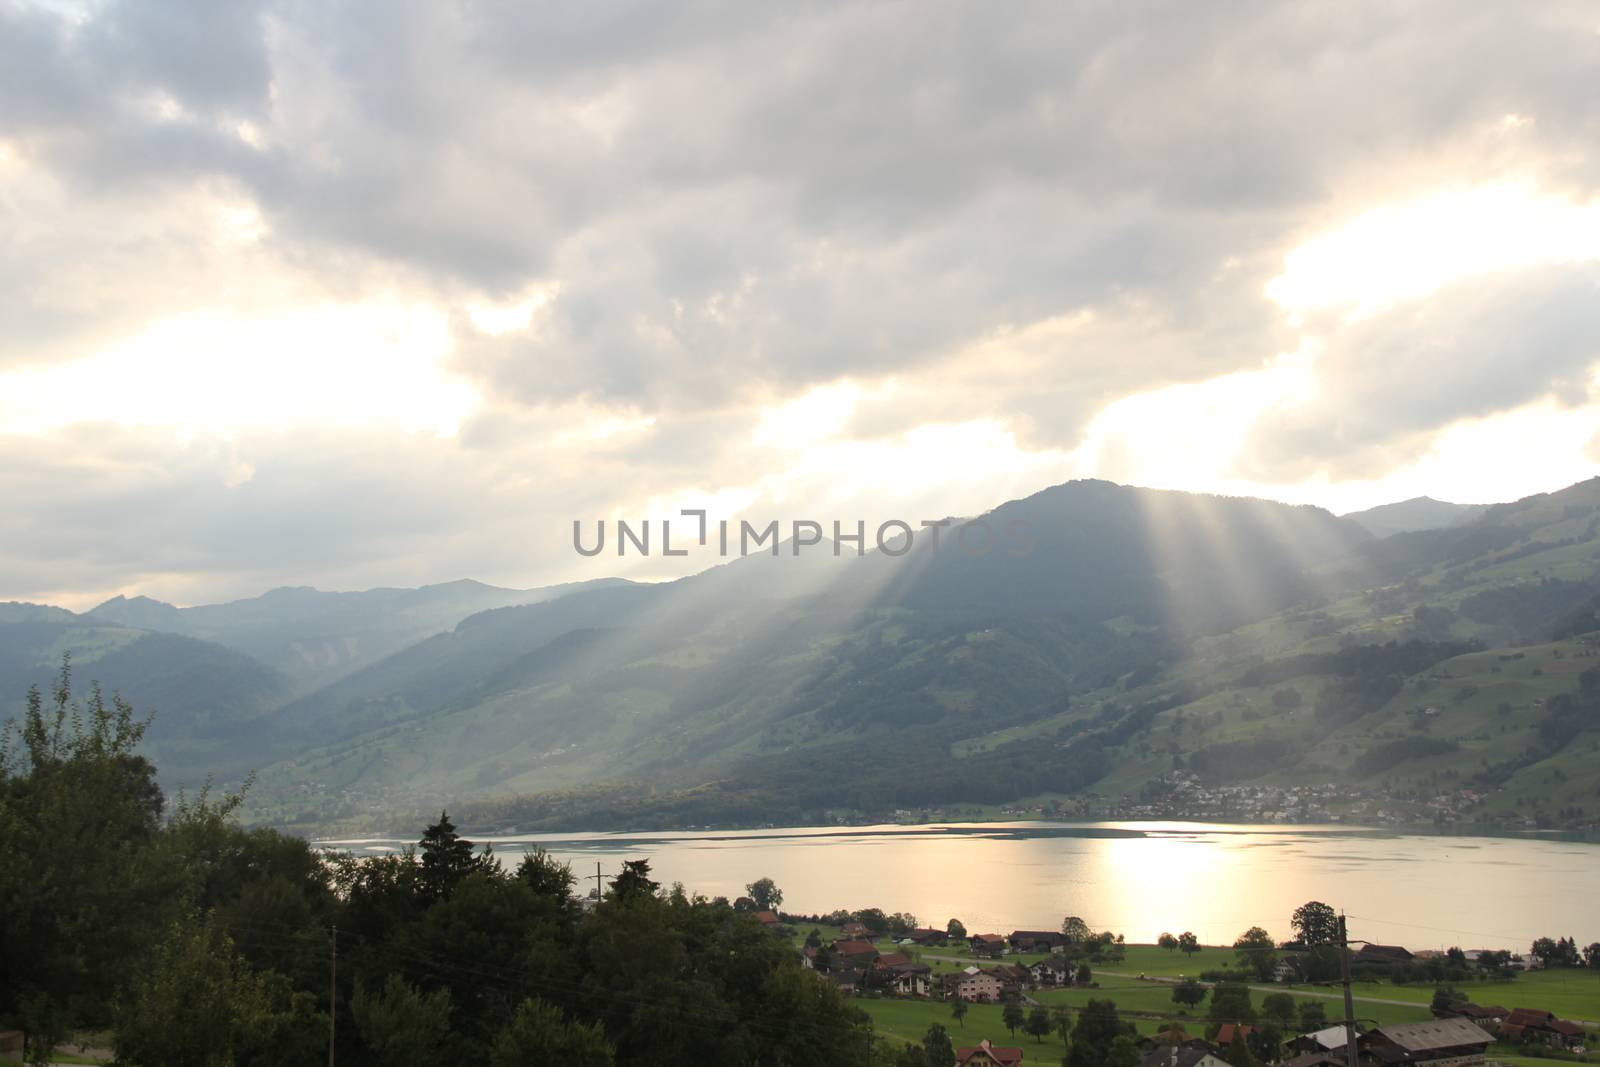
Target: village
[[1039, 984]]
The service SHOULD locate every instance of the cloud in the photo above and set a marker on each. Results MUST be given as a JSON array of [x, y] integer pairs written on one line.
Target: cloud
[[991, 228], [1382, 386]]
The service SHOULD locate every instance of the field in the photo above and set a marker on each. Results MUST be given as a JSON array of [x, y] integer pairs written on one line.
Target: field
[[1573, 994]]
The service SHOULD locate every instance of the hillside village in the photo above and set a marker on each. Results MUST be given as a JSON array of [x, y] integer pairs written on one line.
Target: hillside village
[[1045, 982]]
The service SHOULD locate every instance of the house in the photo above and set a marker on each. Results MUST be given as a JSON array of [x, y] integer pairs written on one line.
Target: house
[[1313, 1059], [978, 988], [854, 951], [1181, 1056], [991, 945], [1533, 1026], [1014, 977], [808, 958], [987, 1055], [1455, 1042], [1037, 941], [1330, 1039], [855, 932], [927, 935], [1487, 1016], [900, 975], [769, 919], [1381, 956], [1228, 1031], [1051, 971]]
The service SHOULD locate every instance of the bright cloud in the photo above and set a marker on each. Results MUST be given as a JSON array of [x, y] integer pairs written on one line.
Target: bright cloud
[[435, 285]]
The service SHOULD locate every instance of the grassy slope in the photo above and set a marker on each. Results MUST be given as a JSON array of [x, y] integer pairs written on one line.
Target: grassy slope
[[1571, 994]]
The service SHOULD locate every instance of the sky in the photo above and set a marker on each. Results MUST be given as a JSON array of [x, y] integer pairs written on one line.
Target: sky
[[343, 295]]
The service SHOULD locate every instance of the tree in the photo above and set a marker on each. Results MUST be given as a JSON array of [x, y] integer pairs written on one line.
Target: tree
[[1230, 1003], [403, 1026], [765, 893], [937, 1050], [1097, 1028], [1123, 1052], [540, 1033], [549, 878], [958, 1012], [1280, 1008], [1085, 976], [1061, 1021], [447, 858], [1188, 993], [955, 931], [634, 882], [1257, 952], [80, 812], [1038, 1023], [1591, 956], [1011, 1016], [1167, 941], [188, 1005], [1313, 1016], [1189, 943], [1446, 999], [1075, 930], [814, 938], [1315, 923]]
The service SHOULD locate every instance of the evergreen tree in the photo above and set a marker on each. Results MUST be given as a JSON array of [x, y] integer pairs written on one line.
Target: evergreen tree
[[634, 882], [447, 858]]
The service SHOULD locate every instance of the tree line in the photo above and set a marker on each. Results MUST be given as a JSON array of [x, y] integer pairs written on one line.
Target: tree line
[[198, 942]]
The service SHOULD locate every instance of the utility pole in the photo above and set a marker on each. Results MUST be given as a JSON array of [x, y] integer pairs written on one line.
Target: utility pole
[[1349, 999], [333, 994], [597, 879]]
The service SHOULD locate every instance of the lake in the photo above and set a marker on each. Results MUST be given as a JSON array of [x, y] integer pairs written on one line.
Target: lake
[[1136, 878]]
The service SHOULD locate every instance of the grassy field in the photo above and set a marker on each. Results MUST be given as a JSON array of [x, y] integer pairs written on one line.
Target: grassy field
[[1573, 994], [906, 1021]]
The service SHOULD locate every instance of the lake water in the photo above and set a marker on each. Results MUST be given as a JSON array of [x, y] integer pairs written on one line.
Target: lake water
[[1136, 878]]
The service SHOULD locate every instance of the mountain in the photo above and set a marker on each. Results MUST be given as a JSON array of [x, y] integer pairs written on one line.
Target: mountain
[[17, 611], [1418, 513], [1091, 649], [201, 694], [316, 637], [674, 683]]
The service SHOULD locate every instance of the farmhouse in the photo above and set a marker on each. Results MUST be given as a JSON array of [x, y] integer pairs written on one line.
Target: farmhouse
[[905, 978], [927, 935], [1181, 1056], [1532, 1026], [1051, 971], [855, 951], [990, 945], [1381, 956], [1442, 1042], [986, 1055], [1487, 1016], [1037, 941], [1229, 1031]]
